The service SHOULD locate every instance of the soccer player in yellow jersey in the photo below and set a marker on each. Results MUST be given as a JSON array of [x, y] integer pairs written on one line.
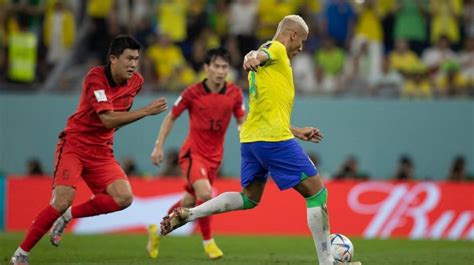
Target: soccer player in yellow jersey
[[268, 145]]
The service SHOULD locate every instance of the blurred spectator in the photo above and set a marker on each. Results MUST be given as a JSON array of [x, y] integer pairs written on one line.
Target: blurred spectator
[[458, 169], [303, 73], [196, 18], [357, 72], [99, 34], [468, 18], [451, 82], [402, 58], [172, 19], [389, 83], [466, 59], [30, 12], [171, 168], [219, 19], [34, 167], [369, 29], [3, 40], [434, 56], [340, 20], [59, 32], [22, 54], [163, 57], [268, 20], [387, 11], [130, 167], [444, 20], [410, 23], [350, 170], [417, 85], [242, 22], [330, 61], [405, 170]]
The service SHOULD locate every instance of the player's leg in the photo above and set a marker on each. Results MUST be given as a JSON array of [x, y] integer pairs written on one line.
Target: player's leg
[[68, 169], [154, 231], [313, 190], [290, 167], [112, 192], [253, 179], [203, 190]]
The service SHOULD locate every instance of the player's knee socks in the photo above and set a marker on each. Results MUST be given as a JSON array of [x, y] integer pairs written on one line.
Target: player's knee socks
[[318, 222], [247, 202], [43, 222], [318, 199], [100, 204], [174, 206], [225, 202], [205, 224]]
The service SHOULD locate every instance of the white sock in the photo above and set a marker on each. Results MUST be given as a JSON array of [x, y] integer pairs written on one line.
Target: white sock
[[227, 201], [19, 250], [206, 242], [68, 214], [318, 223]]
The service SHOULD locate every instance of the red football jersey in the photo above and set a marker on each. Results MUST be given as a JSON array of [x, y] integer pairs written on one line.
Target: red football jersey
[[209, 118], [99, 94]]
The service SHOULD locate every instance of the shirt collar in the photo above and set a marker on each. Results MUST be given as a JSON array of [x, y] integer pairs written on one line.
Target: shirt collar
[[108, 74], [206, 88]]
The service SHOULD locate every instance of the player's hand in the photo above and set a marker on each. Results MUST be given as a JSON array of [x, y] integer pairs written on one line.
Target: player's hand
[[157, 156], [251, 62], [157, 106], [310, 134]]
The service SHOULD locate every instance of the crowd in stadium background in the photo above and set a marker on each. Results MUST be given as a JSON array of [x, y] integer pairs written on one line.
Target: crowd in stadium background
[[420, 49]]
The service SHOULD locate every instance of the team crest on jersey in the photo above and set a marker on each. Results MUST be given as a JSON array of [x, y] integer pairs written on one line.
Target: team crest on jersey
[[100, 95]]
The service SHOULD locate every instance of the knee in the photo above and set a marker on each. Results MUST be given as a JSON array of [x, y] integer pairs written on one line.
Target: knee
[[124, 200], [204, 195], [248, 203], [62, 203]]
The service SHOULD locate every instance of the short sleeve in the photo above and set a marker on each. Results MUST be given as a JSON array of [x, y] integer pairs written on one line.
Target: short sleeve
[[181, 104], [96, 93], [239, 106], [274, 50]]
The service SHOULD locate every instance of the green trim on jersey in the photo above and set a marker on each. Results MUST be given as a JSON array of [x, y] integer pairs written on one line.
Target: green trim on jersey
[[303, 176], [318, 199], [247, 203], [265, 50], [253, 86]]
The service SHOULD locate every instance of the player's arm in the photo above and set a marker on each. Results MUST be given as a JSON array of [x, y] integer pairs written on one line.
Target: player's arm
[[307, 134], [254, 59], [166, 126], [114, 119]]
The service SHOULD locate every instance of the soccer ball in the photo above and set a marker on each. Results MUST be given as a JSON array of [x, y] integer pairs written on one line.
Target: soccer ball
[[341, 247]]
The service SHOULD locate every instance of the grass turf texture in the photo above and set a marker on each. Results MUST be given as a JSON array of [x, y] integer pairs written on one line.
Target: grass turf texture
[[130, 249]]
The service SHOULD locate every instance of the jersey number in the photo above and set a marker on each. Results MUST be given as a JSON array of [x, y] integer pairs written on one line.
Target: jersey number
[[216, 125]]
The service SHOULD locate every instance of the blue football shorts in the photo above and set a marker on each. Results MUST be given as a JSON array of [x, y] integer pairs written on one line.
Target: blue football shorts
[[286, 162]]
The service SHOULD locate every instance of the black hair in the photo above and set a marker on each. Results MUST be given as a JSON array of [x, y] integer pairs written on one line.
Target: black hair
[[120, 43], [217, 53]]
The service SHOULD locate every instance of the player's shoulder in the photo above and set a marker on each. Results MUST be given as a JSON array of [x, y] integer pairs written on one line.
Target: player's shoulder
[[232, 88], [96, 72], [193, 90], [138, 77]]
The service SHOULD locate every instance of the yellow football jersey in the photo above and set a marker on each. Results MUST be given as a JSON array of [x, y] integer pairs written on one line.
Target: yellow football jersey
[[271, 96]]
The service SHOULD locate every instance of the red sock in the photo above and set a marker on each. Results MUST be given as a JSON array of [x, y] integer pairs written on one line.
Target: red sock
[[204, 224], [43, 222], [174, 206], [100, 204]]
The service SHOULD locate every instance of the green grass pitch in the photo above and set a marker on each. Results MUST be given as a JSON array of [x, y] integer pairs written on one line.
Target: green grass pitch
[[238, 250]]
